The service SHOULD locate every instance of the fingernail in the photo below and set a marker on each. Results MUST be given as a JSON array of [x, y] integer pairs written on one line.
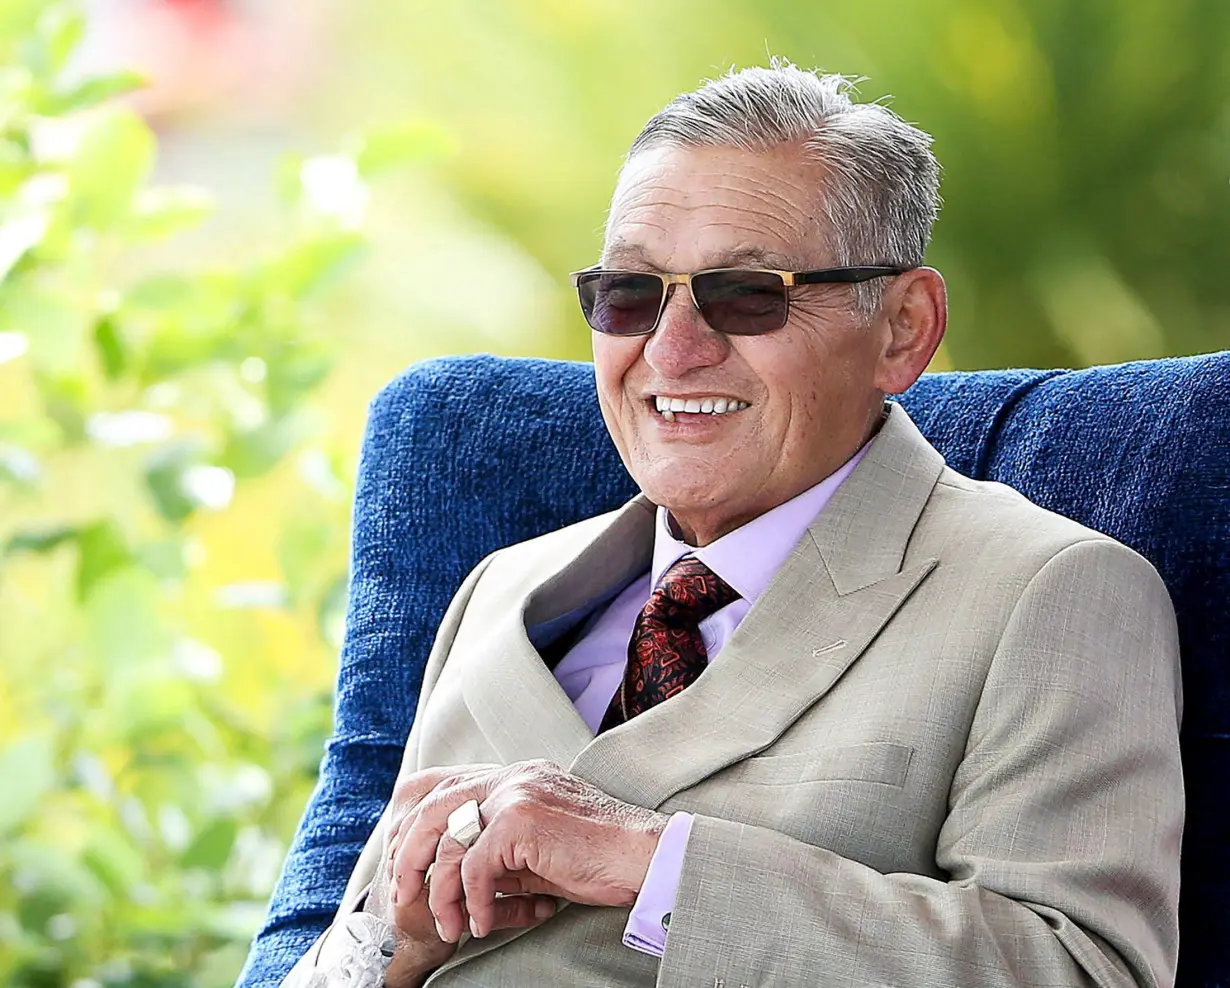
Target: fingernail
[[544, 909], [440, 932], [473, 928], [395, 894]]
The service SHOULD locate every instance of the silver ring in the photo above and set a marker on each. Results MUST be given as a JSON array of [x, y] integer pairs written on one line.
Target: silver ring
[[464, 823]]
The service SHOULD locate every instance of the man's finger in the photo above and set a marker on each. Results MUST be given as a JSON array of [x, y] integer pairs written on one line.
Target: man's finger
[[512, 912], [445, 896], [479, 874]]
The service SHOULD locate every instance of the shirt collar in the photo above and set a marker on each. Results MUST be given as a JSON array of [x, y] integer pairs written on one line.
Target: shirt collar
[[749, 557]]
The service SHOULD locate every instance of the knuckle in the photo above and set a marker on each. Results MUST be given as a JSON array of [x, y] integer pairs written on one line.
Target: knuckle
[[449, 852], [431, 804], [406, 790], [541, 768], [516, 798], [471, 870]]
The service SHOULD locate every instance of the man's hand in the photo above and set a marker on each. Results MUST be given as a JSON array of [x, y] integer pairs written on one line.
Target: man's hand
[[544, 831], [420, 949]]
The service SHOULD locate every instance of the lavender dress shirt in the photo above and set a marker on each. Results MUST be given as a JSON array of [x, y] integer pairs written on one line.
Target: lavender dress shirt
[[590, 673]]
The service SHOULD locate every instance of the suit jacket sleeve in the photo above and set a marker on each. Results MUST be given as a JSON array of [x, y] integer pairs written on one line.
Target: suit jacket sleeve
[[320, 953], [1061, 844]]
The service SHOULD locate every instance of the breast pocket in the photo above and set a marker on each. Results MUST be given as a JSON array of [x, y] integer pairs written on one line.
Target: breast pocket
[[880, 762]]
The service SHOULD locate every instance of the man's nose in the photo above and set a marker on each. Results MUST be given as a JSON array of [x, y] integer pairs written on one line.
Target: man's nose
[[683, 340]]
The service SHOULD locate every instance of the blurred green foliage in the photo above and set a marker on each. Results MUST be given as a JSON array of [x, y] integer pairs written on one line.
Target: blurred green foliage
[[178, 417], [146, 789], [1086, 146]]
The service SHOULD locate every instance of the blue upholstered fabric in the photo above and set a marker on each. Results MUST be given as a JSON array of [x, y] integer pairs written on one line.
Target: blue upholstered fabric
[[464, 455]]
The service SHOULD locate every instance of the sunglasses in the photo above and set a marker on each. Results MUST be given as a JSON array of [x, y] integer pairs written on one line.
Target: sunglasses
[[736, 301]]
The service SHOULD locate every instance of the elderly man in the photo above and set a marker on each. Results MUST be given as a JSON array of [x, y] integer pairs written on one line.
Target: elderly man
[[813, 708]]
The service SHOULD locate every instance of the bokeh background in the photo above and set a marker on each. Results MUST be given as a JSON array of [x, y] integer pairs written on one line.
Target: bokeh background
[[205, 276]]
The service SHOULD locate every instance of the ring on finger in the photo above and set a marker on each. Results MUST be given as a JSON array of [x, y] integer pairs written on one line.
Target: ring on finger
[[465, 823]]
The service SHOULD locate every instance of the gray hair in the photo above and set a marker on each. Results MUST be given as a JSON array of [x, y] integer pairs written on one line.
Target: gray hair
[[881, 191]]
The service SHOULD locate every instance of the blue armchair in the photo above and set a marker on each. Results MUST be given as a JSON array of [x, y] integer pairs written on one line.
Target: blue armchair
[[464, 455]]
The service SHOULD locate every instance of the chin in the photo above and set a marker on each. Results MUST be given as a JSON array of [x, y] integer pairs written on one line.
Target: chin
[[682, 494]]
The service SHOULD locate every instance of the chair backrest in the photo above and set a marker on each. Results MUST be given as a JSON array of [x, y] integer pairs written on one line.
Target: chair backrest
[[464, 455]]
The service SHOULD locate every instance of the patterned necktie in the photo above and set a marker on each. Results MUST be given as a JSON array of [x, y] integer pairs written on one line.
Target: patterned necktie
[[666, 653]]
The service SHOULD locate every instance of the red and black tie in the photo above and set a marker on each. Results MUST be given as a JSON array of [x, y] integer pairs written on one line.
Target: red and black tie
[[666, 653]]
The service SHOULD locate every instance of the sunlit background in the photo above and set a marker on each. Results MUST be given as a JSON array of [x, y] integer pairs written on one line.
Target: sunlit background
[[203, 281]]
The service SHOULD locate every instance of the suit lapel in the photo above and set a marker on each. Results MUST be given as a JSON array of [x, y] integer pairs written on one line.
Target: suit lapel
[[508, 688], [837, 589]]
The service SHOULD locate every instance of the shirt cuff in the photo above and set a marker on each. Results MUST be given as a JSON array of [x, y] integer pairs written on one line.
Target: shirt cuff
[[651, 913], [356, 953]]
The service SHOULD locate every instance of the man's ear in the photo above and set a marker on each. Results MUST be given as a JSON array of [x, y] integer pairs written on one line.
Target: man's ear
[[916, 311]]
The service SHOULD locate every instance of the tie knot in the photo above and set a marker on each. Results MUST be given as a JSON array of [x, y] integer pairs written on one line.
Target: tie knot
[[691, 587]]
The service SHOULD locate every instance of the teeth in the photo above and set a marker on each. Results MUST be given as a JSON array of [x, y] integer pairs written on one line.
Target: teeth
[[669, 407]]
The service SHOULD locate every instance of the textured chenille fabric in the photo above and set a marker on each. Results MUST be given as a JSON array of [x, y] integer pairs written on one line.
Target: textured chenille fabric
[[464, 455], [666, 653]]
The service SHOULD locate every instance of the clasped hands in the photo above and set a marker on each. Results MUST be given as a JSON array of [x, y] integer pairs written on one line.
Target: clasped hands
[[546, 835]]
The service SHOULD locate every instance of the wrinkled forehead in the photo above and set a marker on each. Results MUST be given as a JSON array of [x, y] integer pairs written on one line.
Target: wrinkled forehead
[[677, 209]]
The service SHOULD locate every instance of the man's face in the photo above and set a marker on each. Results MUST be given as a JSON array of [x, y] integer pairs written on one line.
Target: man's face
[[809, 387]]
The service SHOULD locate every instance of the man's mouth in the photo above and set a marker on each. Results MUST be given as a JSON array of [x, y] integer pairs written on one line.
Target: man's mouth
[[668, 406]]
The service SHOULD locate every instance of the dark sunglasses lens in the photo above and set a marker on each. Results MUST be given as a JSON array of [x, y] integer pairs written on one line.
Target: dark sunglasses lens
[[742, 303], [620, 303]]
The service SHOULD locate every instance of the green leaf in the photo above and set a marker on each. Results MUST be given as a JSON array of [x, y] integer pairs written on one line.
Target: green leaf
[[163, 293], [385, 148], [113, 160], [161, 211], [103, 550], [126, 636], [66, 400], [57, 880], [40, 542], [164, 558], [56, 324], [255, 452], [293, 371], [212, 846], [311, 264], [28, 771], [190, 321], [164, 471], [113, 860], [61, 29], [18, 237], [112, 350], [172, 350], [15, 165], [91, 92]]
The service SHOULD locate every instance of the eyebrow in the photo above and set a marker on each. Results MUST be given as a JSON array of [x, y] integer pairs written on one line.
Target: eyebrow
[[745, 255]]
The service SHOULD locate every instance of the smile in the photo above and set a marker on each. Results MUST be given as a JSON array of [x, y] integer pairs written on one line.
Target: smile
[[668, 406]]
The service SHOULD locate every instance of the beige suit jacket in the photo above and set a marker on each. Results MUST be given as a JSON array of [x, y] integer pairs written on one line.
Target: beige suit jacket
[[940, 750]]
